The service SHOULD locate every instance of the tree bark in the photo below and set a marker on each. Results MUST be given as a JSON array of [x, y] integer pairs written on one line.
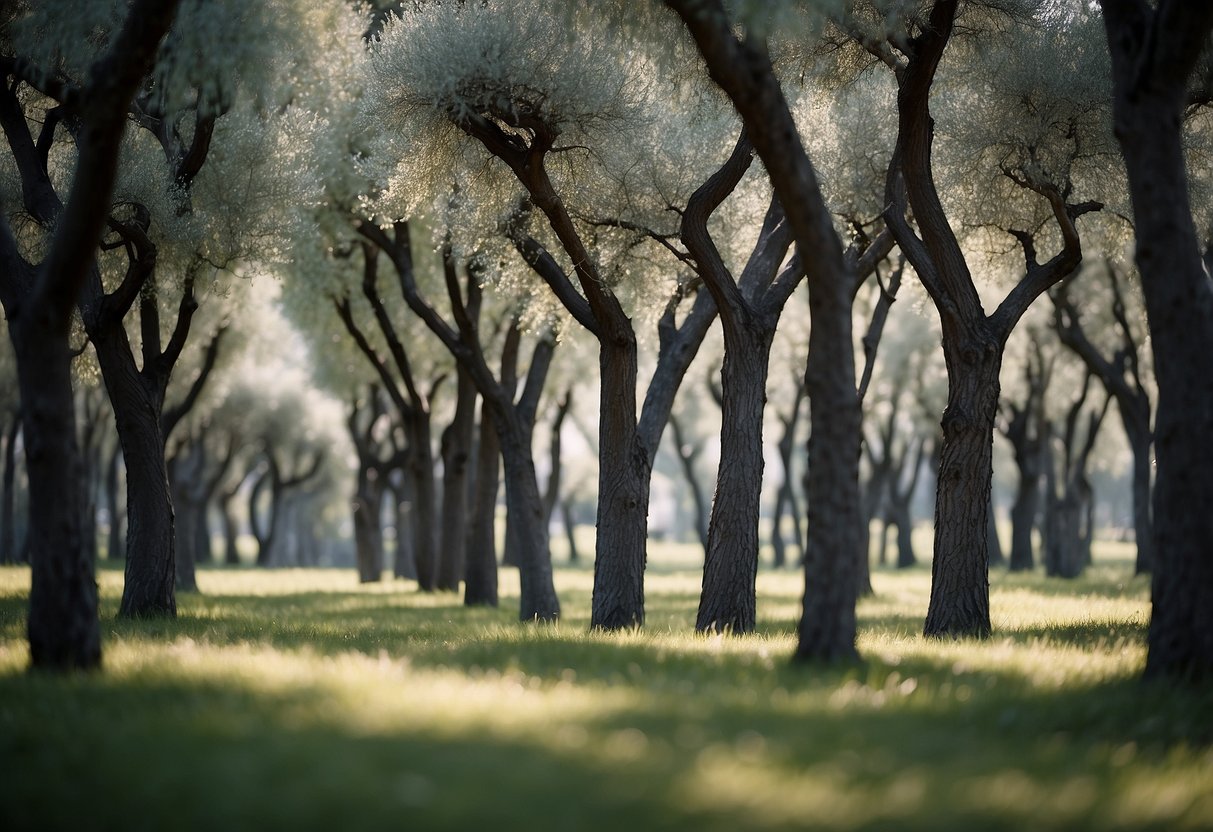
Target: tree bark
[[116, 549], [456, 453], [960, 584], [623, 492], [480, 583], [368, 536], [727, 601]]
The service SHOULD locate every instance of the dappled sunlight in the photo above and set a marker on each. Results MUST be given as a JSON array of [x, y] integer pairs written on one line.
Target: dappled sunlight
[[304, 686]]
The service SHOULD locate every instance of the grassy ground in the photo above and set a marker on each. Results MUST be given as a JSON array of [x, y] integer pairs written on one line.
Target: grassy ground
[[297, 699]]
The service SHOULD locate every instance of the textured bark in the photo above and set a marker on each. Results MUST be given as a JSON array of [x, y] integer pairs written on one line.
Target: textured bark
[[727, 601], [480, 583], [38, 301], [623, 492], [63, 628], [524, 504], [743, 70], [827, 628], [456, 455], [960, 585]]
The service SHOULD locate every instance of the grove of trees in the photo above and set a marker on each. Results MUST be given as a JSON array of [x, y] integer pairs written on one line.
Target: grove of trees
[[329, 278]]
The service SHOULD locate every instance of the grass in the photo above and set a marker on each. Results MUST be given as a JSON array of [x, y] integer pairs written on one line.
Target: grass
[[298, 699]]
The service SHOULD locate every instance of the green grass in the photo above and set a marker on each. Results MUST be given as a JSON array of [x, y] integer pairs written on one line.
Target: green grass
[[297, 699]]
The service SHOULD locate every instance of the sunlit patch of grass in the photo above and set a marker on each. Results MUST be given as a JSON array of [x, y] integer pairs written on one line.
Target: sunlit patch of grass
[[298, 698]]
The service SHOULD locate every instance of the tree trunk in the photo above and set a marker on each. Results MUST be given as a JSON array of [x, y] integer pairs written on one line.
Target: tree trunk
[[687, 454], [994, 544], [8, 552], [64, 631], [231, 531], [905, 535], [368, 538], [727, 601], [960, 582], [827, 628], [1150, 88], [117, 538], [480, 582], [186, 538], [1023, 518], [1143, 523], [456, 452], [525, 505], [570, 528], [150, 546], [424, 514], [404, 560], [623, 492]]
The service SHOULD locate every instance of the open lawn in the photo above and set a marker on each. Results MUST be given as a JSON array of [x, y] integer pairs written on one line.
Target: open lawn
[[298, 699]]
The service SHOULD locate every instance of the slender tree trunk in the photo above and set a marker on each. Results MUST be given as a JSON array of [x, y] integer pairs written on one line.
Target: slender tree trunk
[[1024, 512], [456, 453], [404, 560], [231, 530], [687, 454], [186, 539], [64, 630], [994, 544], [424, 513], [905, 536], [480, 582], [727, 601], [525, 505], [8, 553], [960, 583], [570, 529], [1143, 523], [368, 539], [117, 538], [623, 493]]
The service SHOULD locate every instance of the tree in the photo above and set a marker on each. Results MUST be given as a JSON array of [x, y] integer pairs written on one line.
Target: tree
[[742, 67], [1154, 50], [1026, 427], [973, 341], [38, 299], [1122, 376]]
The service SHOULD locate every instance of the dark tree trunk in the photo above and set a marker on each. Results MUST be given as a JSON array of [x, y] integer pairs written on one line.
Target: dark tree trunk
[[150, 546], [727, 601], [456, 453], [525, 506], [570, 529], [404, 561], [231, 530], [8, 552], [1023, 516], [368, 536], [116, 548], [960, 584], [994, 544], [905, 536], [1143, 521], [687, 452], [64, 631], [785, 497], [480, 583], [424, 513], [623, 492], [827, 628]]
